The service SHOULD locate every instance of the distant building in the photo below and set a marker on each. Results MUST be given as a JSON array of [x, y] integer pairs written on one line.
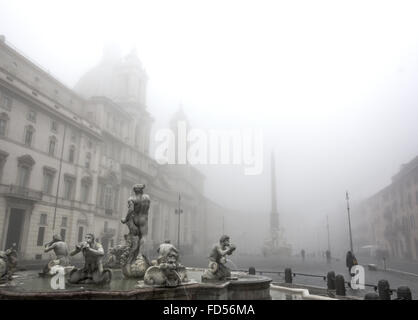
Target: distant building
[[388, 218], [91, 145]]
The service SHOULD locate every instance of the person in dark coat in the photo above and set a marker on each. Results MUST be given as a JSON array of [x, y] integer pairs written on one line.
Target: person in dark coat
[[350, 261]]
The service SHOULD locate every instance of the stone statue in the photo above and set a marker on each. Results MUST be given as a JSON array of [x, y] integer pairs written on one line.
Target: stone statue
[[217, 260], [166, 270], [93, 271], [61, 254], [8, 263], [134, 264], [112, 260]]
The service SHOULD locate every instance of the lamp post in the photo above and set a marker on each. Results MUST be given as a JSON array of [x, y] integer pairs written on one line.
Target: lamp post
[[59, 179], [178, 211], [349, 222], [329, 245]]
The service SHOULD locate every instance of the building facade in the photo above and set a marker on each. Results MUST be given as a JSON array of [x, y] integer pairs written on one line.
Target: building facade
[[69, 159], [388, 218]]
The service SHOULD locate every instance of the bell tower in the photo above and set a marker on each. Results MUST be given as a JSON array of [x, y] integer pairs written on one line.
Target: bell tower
[[131, 83]]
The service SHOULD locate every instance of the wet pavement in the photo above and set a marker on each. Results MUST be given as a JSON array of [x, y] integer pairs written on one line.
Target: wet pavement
[[318, 266]]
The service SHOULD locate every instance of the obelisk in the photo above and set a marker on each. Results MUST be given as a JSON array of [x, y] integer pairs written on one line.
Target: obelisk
[[274, 215]]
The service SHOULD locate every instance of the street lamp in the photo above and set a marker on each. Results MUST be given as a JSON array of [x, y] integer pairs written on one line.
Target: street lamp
[[329, 244], [59, 178], [178, 211], [349, 221]]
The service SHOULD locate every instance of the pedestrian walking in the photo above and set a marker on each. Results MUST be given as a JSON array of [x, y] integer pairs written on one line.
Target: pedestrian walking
[[350, 261]]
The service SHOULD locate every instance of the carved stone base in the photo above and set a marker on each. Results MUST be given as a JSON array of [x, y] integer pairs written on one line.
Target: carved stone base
[[163, 277], [81, 276], [216, 272], [136, 269]]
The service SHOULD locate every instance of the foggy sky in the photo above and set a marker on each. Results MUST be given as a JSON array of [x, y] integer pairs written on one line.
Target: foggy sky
[[332, 84]]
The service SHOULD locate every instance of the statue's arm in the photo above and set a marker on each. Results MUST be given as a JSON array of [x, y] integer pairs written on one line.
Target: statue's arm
[[75, 251], [97, 252], [222, 252], [228, 250], [49, 247]]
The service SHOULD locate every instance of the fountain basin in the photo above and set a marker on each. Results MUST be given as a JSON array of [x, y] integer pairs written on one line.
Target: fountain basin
[[28, 286]]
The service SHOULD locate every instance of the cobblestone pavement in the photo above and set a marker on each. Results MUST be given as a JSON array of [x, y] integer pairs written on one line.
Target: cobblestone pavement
[[318, 266]]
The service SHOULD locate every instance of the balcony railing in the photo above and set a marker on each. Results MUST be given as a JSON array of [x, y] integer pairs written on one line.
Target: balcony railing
[[20, 192], [69, 203]]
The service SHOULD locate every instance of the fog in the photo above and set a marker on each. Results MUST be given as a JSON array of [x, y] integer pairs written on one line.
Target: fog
[[330, 83]]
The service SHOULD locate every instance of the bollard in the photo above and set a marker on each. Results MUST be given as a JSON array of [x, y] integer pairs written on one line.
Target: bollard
[[404, 293], [371, 296], [288, 275], [331, 280], [339, 285], [383, 289], [251, 270]]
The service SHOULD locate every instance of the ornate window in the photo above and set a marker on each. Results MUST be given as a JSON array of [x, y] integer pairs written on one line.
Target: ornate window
[[31, 116], [25, 164], [107, 193], [108, 197], [54, 126], [4, 120], [80, 233], [88, 159], [71, 154], [49, 175], [43, 219], [6, 102], [29, 133], [52, 146], [69, 183], [3, 159], [63, 233], [64, 222], [85, 189], [41, 236]]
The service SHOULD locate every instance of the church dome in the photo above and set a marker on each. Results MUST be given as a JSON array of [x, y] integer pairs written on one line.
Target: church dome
[[121, 79]]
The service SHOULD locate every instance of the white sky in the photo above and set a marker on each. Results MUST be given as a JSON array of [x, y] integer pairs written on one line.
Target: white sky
[[332, 83]]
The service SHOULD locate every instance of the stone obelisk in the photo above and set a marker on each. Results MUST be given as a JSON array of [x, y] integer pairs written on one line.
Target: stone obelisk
[[274, 215]]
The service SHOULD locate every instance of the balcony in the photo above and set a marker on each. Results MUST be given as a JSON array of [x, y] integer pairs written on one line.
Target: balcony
[[20, 192], [73, 204]]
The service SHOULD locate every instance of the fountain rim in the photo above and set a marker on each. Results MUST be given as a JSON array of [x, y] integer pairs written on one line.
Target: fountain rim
[[87, 292]]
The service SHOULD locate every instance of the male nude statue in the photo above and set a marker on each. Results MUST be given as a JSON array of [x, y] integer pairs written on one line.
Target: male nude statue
[[138, 203], [61, 252], [217, 260], [93, 271]]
